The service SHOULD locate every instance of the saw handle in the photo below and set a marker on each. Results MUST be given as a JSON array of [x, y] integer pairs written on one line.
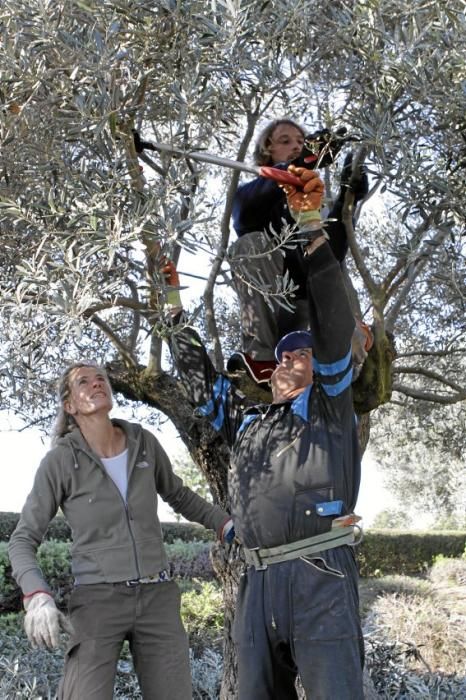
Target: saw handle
[[282, 177]]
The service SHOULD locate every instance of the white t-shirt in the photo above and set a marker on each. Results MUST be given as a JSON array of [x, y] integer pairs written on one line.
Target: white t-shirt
[[117, 470]]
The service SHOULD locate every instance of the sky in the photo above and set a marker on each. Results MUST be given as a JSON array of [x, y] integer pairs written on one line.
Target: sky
[[23, 450]]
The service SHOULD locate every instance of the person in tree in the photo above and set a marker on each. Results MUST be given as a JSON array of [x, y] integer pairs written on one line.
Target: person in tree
[[260, 212], [293, 484], [105, 475]]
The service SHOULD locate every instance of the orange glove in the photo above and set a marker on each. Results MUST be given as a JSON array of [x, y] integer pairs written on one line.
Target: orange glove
[[368, 335], [170, 272], [173, 283], [305, 203]]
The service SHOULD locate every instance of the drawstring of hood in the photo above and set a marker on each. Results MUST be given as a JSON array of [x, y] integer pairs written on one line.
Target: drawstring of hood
[[75, 459], [72, 441]]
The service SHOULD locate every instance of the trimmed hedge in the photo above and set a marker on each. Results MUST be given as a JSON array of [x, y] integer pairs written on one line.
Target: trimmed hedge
[[384, 552], [59, 530]]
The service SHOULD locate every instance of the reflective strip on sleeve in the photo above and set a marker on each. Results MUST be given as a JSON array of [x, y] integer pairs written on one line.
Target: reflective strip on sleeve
[[339, 387], [327, 370]]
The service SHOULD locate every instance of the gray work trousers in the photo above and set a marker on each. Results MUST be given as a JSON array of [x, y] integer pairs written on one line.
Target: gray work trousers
[[263, 320], [148, 616], [256, 264], [300, 616]]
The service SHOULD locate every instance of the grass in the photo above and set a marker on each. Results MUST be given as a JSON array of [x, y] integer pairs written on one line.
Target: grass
[[415, 631]]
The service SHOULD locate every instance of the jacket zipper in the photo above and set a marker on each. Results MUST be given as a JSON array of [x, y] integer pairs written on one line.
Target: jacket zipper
[[125, 506]]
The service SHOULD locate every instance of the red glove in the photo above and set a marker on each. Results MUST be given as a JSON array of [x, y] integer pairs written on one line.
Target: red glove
[[170, 272], [304, 202], [172, 279]]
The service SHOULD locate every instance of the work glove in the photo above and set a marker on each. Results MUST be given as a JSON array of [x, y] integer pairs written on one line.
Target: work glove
[[305, 202], [360, 184], [361, 342], [321, 148], [43, 621], [228, 532], [172, 280]]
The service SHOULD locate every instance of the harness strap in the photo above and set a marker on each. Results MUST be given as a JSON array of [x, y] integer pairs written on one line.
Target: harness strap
[[260, 558]]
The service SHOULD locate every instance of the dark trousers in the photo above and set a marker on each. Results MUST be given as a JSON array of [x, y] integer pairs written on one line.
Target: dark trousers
[[148, 616], [257, 263], [300, 617]]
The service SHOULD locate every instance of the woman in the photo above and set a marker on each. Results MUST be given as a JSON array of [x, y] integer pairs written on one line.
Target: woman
[[105, 476]]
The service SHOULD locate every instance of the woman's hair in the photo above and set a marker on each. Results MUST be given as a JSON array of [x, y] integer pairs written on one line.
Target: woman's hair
[[261, 153], [65, 422]]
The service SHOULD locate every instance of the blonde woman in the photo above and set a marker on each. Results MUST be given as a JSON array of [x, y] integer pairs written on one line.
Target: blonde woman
[[105, 475]]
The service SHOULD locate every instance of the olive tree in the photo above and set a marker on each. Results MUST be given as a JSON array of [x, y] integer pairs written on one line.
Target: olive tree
[[86, 221]]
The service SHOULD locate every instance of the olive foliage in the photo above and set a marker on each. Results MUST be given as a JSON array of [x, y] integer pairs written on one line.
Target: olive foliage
[[86, 222]]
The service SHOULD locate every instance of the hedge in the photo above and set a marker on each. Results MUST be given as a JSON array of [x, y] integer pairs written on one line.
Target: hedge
[[188, 561], [59, 530], [384, 552]]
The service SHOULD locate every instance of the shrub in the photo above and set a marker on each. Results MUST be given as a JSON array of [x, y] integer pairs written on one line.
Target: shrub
[[190, 560], [448, 571], [8, 522], [9, 592], [206, 671], [202, 613], [203, 608], [391, 552], [187, 532], [387, 664], [35, 673], [425, 623], [60, 530]]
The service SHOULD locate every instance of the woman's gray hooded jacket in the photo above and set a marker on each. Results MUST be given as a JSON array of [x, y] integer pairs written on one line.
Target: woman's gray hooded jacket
[[113, 540]]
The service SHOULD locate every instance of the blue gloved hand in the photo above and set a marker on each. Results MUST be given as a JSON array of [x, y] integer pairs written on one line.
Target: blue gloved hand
[[228, 532]]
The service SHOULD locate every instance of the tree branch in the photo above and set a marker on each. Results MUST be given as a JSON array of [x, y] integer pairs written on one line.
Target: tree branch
[[420, 395], [347, 217], [429, 374], [432, 353], [125, 302], [208, 295], [125, 353], [413, 271]]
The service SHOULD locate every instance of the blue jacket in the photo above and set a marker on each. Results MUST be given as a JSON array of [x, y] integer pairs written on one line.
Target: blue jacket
[[290, 460]]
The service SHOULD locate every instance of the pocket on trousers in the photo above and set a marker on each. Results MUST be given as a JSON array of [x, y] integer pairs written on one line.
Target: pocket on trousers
[[322, 610], [242, 624], [69, 680], [322, 567]]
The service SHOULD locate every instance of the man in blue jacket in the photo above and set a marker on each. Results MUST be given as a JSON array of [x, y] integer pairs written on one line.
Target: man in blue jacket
[[293, 484]]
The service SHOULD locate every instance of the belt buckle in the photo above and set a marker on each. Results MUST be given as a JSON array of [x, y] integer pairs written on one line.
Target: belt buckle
[[132, 582], [256, 560]]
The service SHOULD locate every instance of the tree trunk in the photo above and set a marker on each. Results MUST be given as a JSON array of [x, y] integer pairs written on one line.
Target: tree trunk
[[228, 565]]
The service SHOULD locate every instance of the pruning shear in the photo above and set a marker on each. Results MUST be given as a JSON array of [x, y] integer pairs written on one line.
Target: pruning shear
[[319, 150]]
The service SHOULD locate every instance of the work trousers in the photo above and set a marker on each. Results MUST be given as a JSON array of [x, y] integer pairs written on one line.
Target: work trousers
[[256, 263], [148, 616], [300, 616]]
